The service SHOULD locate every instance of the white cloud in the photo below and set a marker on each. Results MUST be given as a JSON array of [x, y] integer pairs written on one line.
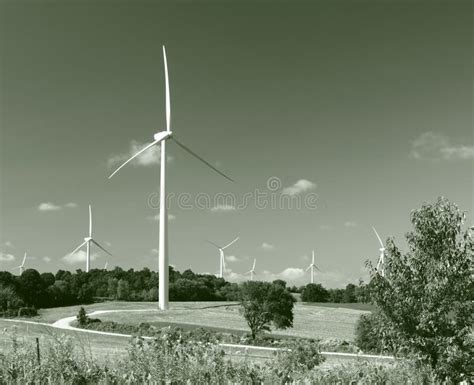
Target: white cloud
[[325, 227], [46, 259], [267, 246], [433, 146], [4, 257], [48, 206], [458, 152], [222, 208], [149, 157], [299, 187], [78, 257], [9, 244], [350, 224], [232, 258], [156, 217], [291, 274]]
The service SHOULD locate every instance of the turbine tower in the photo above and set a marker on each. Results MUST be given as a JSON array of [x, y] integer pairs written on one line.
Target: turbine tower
[[162, 137], [222, 255], [381, 262], [87, 242], [21, 267], [312, 266], [252, 270]]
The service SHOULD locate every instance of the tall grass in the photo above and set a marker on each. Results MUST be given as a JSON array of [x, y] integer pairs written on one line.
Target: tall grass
[[172, 359]]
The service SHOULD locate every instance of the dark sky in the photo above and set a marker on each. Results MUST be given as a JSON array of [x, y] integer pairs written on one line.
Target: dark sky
[[367, 104]]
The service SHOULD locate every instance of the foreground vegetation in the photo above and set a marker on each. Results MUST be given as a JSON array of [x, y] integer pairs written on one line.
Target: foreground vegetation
[[172, 358]]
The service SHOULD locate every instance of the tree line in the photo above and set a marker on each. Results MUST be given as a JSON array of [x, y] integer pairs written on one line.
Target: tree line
[[67, 288]]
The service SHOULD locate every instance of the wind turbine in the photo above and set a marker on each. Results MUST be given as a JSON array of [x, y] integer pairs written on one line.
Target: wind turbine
[[162, 137], [381, 262], [105, 266], [87, 242], [312, 266], [20, 268], [252, 271], [222, 256]]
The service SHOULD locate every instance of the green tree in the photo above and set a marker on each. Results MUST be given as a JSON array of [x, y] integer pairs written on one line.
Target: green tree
[[123, 290], [314, 292], [424, 297], [264, 304]]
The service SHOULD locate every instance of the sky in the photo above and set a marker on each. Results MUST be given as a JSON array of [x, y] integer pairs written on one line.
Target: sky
[[356, 112]]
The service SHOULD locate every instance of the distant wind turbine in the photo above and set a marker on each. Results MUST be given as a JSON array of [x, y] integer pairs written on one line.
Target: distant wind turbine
[[87, 242], [381, 262], [105, 266], [222, 256], [312, 266], [21, 267], [252, 270], [162, 137]]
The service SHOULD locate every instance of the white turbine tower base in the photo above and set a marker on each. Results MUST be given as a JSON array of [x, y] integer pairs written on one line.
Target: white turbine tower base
[[162, 137], [252, 270], [381, 261], [87, 242], [222, 255], [312, 266]]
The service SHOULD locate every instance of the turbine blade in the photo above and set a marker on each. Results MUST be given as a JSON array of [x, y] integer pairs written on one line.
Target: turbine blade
[[313, 257], [90, 221], [235, 240], [99, 246], [212, 243], [139, 153], [201, 159], [254, 261], [167, 85], [377, 234], [223, 261], [24, 259], [318, 268], [309, 267], [78, 247]]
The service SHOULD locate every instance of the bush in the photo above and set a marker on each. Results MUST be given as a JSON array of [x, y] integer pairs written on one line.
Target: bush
[[82, 317], [301, 356], [27, 312], [368, 337]]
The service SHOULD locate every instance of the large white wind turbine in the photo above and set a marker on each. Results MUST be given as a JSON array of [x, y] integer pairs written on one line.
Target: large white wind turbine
[[87, 242], [312, 266], [381, 262], [252, 270], [222, 256], [162, 137], [21, 267]]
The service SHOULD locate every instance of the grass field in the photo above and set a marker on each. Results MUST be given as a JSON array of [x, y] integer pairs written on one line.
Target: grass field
[[103, 348], [309, 321]]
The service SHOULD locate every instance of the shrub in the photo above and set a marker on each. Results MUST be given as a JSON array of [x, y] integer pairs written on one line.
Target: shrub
[[300, 356], [27, 312], [368, 333], [82, 317]]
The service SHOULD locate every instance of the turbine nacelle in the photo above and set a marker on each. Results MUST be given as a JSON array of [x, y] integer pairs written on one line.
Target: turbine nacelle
[[87, 239], [162, 135]]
